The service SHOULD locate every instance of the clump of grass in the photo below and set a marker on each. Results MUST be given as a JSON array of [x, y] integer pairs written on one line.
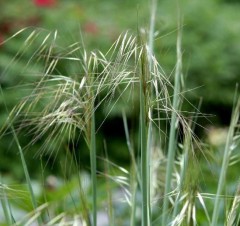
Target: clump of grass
[[69, 103], [61, 108]]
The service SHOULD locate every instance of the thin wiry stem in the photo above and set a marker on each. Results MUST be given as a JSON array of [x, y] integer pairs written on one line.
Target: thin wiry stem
[[93, 168]]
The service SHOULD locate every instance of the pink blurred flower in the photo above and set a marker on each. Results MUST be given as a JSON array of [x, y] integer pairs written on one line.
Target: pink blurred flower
[[44, 3], [91, 28]]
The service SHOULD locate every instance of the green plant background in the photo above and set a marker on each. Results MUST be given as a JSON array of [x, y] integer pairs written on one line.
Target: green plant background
[[211, 53]]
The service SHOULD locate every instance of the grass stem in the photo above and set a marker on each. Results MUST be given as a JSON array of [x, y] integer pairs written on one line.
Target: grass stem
[[6, 206], [93, 167], [144, 139], [173, 124], [225, 161]]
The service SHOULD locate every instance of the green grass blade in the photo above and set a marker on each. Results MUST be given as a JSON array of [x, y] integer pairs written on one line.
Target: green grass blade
[[144, 140], [6, 206], [144, 163], [151, 32], [135, 178], [133, 201], [227, 154], [172, 136], [26, 173], [150, 126]]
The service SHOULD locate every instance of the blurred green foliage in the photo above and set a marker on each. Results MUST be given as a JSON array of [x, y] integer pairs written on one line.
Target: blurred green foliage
[[211, 47]]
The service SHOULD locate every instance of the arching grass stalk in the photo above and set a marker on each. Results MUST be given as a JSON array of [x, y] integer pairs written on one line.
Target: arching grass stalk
[[68, 103], [230, 145], [173, 125]]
